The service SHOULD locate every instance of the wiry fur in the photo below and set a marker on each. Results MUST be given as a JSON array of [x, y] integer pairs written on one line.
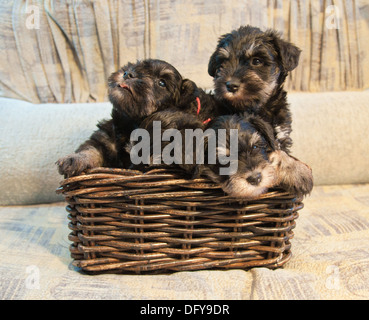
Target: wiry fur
[[249, 67]]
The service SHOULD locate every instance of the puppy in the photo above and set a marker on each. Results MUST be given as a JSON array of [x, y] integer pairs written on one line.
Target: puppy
[[260, 162], [254, 172], [136, 91], [249, 67]]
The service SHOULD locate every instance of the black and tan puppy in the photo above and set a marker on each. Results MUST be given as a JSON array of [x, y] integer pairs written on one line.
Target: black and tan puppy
[[249, 67], [136, 91], [255, 142], [260, 162]]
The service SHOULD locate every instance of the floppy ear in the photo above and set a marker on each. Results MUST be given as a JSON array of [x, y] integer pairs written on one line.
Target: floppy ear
[[187, 94], [223, 42], [212, 67], [188, 88], [265, 129], [290, 54]]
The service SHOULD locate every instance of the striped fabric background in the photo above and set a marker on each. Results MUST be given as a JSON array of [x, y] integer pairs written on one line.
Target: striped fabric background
[[64, 51]]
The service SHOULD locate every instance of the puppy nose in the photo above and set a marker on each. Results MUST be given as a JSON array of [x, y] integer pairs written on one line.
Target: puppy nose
[[254, 179], [232, 86], [127, 75]]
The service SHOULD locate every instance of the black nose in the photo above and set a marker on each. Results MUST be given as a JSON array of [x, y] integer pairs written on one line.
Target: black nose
[[128, 75], [254, 179], [232, 86]]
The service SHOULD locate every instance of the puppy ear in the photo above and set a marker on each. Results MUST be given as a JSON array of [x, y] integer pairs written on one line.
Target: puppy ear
[[188, 88], [187, 94], [212, 67], [265, 129], [223, 42], [290, 54]]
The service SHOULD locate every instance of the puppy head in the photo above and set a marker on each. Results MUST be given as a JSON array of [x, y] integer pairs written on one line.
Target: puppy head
[[255, 173], [248, 65], [145, 87]]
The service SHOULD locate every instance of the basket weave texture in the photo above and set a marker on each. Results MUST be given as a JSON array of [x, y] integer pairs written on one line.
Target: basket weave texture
[[125, 221]]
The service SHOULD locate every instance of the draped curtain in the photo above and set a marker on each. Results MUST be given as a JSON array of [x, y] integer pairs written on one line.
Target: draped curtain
[[64, 51]]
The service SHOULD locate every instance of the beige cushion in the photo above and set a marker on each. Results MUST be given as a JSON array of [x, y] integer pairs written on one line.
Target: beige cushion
[[330, 133], [32, 138]]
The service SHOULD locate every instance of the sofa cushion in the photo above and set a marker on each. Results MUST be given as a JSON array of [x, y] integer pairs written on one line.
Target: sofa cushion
[[330, 133], [32, 138]]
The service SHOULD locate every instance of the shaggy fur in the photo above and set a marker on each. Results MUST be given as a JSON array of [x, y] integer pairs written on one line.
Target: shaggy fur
[[249, 68], [136, 91]]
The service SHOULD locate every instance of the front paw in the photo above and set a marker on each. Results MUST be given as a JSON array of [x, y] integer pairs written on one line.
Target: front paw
[[302, 183], [73, 164], [292, 174]]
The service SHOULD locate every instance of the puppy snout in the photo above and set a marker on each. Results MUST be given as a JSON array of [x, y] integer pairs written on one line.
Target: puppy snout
[[254, 179], [128, 75], [232, 85]]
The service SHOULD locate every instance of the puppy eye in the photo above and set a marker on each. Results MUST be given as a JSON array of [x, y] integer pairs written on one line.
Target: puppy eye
[[162, 83], [259, 146], [256, 61]]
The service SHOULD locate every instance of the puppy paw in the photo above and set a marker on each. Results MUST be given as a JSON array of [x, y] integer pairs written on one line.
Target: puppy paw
[[302, 182], [292, 174], [77, 163], [72, 165]]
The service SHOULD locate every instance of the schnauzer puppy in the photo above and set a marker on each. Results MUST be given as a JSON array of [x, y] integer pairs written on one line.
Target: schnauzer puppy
[[261, 164], [136, 91], [255, 140], [249, 68]]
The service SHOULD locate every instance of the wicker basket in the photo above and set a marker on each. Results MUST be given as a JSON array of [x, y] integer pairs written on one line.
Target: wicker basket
[[125, 221]]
